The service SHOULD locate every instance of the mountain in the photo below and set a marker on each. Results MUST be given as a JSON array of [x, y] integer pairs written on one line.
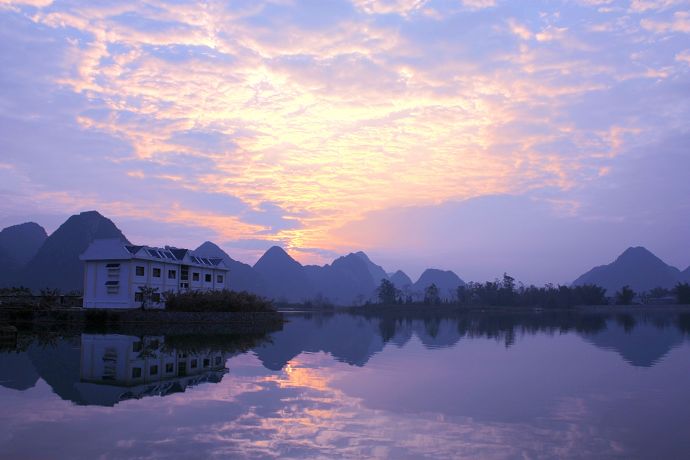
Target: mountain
[[446, 281], [57, 264], [348, 280], [9, 269], [242, 277], [21, 242], [685, 275], [636, 267], [286, 279], [401, 280], [18, 244], [377, 273]]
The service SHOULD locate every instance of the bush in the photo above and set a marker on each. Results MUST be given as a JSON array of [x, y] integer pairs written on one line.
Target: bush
[[216, 301]]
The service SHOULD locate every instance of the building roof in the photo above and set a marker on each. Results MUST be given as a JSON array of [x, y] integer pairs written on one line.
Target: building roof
[[115, 249]]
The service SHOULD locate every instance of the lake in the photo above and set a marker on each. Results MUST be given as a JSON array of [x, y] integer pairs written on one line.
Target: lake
[[479, 385]]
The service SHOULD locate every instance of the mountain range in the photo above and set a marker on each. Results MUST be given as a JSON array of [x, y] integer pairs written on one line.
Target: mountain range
[[30, 257]]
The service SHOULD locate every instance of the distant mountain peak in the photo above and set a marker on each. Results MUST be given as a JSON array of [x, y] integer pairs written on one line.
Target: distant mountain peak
[[22, 242], [57, 264], [376, 271], [273, 257], [636, 267], [446, 280], [637, 253], [400, 279]]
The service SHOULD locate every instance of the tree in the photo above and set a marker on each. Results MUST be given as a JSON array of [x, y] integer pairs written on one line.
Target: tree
[[49, 297], [682, 291], [658, 293], [625, 296], [431, 296], [387, 292], [147, 295]]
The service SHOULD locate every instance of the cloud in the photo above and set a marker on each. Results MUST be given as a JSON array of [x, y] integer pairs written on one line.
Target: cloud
[[309, 118], [680, 22]]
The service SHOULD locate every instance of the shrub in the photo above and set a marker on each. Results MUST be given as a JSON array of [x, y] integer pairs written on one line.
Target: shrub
[[216, 301]]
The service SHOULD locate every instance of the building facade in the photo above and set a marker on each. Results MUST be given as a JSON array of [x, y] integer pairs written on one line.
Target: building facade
[[115, 271]]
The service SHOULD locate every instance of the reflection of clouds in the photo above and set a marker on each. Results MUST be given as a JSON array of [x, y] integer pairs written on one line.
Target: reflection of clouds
[[308, 410], [322, 421]]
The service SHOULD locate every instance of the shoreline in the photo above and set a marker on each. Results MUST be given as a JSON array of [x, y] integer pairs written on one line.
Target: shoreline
[[152, 321]]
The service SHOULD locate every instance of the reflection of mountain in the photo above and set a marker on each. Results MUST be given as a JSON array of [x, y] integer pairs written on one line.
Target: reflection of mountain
[[355, 339], [16, 371], [641, 344], [104, 369], [347, 338]]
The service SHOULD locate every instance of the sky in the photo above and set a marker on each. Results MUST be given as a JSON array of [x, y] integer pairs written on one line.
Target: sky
[[539, 138]]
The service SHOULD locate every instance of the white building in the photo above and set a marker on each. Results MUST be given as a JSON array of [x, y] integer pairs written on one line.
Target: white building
[[114, 272]]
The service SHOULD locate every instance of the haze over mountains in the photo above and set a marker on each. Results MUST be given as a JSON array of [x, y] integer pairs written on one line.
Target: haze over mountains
[[29, 257]]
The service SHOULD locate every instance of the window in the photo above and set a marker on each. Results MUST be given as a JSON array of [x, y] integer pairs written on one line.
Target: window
[[140, 271], [207, 277], [136, 372], [137, 346], [169, 368], [156, 273], [138, 296], [153, 370], [217, 360], [195, 276], [172, 274], [156, 297], [207, 362], [219, 279], [193, 364]]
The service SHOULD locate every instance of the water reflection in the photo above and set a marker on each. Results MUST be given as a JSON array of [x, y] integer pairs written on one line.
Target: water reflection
[[593, 385]]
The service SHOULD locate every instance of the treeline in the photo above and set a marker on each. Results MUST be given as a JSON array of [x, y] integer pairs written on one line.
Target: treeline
[[506, 292], [214, 301]]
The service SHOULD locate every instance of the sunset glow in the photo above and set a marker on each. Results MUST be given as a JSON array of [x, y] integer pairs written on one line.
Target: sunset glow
[[328, 127]]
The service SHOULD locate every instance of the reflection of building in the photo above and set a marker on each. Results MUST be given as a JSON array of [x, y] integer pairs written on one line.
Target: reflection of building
[[114, 272], [117, 367]]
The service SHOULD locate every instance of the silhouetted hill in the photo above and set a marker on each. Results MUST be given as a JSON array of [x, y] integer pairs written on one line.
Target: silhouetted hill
[[446, 281], [18, 244], [9, 269], [242, 277], [377, 273], [401, 280], [22, 242], [348, 280], [57, 264], [286, 279], [685, 275], [636, 267]]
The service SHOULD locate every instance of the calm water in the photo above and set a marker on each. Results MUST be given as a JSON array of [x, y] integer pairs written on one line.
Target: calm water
[[340, 386]]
